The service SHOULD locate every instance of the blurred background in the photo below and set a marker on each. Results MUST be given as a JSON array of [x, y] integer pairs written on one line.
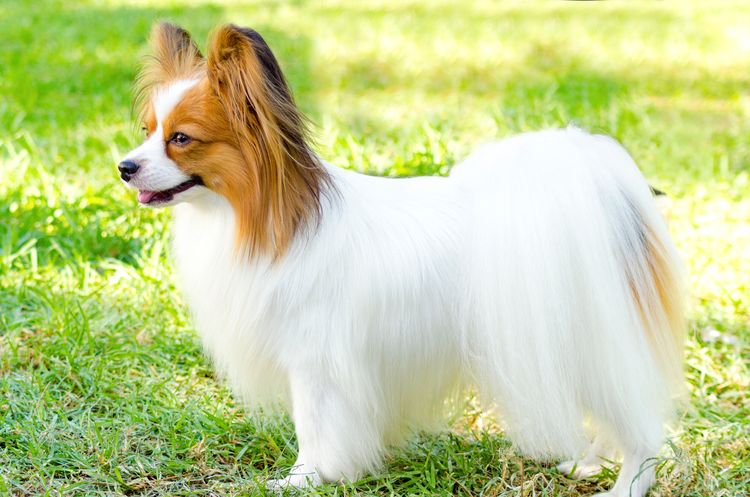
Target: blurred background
[[103, 387]]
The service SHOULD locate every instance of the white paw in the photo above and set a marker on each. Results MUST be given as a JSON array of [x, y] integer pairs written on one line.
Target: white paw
[[296, 479], [579, 470]]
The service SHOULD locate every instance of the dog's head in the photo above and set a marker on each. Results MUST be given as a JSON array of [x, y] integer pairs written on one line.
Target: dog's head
[[224, 125]]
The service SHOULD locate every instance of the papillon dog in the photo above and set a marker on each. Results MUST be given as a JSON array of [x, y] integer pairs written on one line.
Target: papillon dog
[[539, 274]]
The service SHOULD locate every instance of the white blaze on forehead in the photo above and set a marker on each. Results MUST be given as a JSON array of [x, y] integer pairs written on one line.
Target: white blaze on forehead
[[158, 172], [165, 99]]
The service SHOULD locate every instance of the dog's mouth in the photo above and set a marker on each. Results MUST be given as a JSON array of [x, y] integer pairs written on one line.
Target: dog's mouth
[[147, 197]]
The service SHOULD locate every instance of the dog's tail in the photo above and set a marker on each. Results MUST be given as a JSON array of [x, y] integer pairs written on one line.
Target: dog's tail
[[651, 275], [652, 266], [656, 281]]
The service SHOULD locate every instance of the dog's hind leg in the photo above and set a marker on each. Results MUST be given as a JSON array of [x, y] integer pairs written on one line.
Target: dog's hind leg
[[599, 455], [639, 435], [301, 475], [636, 475]]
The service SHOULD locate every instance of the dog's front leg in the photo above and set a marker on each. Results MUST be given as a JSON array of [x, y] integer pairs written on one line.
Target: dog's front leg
[[337, 429]]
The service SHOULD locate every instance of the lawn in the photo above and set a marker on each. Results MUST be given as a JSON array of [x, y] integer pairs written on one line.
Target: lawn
[[103, 386]]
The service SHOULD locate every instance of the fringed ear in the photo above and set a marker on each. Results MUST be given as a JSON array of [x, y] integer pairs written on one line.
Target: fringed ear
[[243, 70], [174, 56], [175, 53], [287, 178]]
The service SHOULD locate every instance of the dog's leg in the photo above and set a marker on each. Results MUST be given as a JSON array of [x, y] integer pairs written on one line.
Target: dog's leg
[[597, 456], [302, 474], [337, 433], [636, 475]]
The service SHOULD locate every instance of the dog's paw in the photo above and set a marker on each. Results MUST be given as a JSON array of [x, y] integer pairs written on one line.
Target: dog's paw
[[578, 470], [294, 481]]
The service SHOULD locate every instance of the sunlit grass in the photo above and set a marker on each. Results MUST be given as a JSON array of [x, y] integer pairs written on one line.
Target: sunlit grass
[[103, 388]]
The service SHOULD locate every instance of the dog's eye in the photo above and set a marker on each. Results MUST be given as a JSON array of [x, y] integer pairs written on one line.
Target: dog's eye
[[180, 139]]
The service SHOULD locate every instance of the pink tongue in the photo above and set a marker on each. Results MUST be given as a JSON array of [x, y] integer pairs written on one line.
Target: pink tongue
[[145, 196]]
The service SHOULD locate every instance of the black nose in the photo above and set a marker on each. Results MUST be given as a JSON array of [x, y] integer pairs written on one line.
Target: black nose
[[127, 169]]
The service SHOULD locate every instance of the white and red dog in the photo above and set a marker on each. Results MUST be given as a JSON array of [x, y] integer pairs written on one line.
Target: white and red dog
[[540, 273]]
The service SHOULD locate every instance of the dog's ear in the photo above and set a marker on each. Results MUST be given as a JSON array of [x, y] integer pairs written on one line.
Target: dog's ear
[[175, 55], [244, 72], [271, 132]]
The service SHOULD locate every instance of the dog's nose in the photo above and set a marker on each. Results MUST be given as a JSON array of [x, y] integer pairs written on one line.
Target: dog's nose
[[127, 169]]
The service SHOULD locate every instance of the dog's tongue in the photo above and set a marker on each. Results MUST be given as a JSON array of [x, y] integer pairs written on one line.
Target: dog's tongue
[[145, 196]]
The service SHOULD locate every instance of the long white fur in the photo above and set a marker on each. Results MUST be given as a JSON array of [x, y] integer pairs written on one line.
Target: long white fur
[[509, 275]]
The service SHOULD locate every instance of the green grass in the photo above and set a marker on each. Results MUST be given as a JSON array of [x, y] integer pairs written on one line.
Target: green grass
[[103, 387]]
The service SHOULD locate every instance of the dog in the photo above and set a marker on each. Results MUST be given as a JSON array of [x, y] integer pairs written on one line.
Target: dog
[[539, 273]]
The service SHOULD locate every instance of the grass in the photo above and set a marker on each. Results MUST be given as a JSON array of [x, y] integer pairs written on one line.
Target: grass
[[103, 387]]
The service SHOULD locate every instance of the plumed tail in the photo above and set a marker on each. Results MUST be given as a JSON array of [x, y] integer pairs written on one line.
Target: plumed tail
[[651, 264], [656, 280]]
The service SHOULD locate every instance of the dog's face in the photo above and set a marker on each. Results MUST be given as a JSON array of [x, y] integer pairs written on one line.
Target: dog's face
[[158, 168], [225, 124], [189, 145]]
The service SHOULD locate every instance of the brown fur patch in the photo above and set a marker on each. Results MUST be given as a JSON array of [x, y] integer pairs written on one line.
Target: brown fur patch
[[248, 138], [282, 179], [661, 305], [214, 152]]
